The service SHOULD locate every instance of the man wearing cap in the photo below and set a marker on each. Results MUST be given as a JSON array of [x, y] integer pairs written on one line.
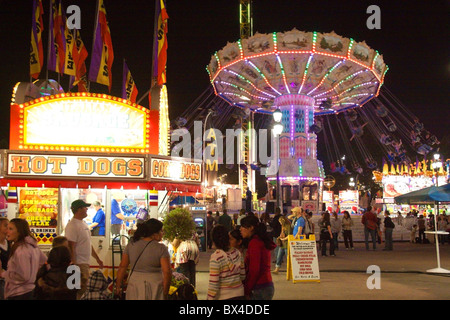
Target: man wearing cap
[[79, 236], [299, 227]]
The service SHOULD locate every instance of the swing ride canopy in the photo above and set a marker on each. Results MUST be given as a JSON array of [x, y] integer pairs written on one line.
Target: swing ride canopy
[[337, 72]]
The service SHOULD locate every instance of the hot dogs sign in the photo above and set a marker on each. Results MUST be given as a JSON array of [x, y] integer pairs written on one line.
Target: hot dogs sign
[[46, 165], [75, 166]]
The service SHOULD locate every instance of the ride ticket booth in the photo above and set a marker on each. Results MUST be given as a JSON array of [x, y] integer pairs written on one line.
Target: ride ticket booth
[[91, 147]]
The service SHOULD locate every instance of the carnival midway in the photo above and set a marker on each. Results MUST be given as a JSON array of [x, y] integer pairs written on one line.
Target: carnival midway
[[295, 127]]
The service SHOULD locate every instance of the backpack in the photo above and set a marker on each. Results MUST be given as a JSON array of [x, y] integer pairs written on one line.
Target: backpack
[[142, 214], [184, 292], [308, 227]]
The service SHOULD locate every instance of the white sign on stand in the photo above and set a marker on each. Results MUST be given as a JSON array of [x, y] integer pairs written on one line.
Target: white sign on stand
[[303, 263]]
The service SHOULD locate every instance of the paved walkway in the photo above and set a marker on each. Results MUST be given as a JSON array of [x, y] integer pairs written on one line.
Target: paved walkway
[[404, 275]]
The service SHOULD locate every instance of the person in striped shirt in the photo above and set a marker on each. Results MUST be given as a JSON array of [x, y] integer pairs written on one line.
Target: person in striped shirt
[[226, 268]]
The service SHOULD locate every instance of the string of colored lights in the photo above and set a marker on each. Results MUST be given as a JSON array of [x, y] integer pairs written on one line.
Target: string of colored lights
[[352, 55], [325, 76], [23, 113], [263, 76], [249, 82], [164, 122]]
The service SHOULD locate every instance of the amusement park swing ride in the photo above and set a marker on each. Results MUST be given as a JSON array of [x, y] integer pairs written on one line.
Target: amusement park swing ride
[[327, 87]]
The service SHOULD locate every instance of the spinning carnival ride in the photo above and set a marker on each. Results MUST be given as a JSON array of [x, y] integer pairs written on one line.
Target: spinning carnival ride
[[304, 75]]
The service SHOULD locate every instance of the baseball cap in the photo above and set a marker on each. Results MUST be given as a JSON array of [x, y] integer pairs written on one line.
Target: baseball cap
[[77, 204], [296, 209]]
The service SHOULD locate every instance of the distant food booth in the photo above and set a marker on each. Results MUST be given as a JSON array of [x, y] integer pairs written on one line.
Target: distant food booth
[[92, 147]]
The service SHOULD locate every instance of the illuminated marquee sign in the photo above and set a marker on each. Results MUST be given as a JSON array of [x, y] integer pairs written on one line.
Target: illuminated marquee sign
[[349, 200], [75, 166], [182, 171], [396, 185], [81, 122]]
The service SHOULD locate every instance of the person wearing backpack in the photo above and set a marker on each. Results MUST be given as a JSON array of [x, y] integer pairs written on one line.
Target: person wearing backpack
[[388, 229], [369, 220]]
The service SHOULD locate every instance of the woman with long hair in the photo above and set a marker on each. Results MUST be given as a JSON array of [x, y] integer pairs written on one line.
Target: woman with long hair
[[5, 248], [326, 234], [51, 283], [226, 268], [286, 230], [24, 261], [258, 283], [347, 224], [150, 274]]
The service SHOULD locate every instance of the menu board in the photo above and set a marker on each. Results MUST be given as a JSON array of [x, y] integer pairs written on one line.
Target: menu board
[[39, 206], [303, 263]]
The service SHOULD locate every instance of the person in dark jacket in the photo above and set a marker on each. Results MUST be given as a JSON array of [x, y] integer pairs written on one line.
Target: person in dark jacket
[[52, 278], [388, 229], [226, 221]]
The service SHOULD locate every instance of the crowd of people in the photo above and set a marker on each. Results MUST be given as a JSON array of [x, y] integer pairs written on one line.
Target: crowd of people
[[27, 273], [240, 267]]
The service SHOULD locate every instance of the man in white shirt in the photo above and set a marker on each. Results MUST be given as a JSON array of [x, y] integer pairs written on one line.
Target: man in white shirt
[[79, 236]]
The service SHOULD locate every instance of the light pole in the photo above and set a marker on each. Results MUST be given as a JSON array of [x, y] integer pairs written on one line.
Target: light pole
[[436, 165], [277, 130], [352, 183], [213, 113]]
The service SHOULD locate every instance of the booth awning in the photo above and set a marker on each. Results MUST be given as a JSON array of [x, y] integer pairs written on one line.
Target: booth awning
[[85, 184], [426, 195]]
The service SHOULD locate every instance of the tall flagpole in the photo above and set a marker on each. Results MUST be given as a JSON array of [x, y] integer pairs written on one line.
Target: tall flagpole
[[49, 41], [93, 44], [155, 43]]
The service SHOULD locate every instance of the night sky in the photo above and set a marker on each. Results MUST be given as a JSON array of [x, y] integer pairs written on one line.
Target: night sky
[[413, 40]]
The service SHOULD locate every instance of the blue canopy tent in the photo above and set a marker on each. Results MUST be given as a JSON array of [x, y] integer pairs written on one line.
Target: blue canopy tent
[[181, 200], [430, 195], [427, 195]]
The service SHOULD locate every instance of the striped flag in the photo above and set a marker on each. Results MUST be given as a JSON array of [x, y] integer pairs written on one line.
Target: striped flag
[[102, 54], [153, 198], [129, 90], [11, 195], [161, 47], [56, 58], [36, 50]]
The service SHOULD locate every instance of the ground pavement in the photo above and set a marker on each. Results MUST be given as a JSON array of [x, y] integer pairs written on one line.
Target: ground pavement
[[404, 275]]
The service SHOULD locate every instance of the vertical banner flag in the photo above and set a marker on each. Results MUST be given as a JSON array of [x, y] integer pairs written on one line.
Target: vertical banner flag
[[129, 90], [56, 58], [36, 50], [80, 62], [71, 52], [161, 47], [79, 56], [102, 54]]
